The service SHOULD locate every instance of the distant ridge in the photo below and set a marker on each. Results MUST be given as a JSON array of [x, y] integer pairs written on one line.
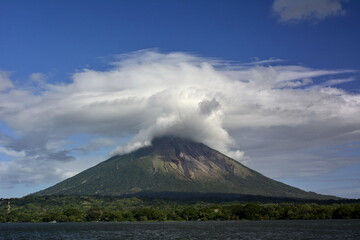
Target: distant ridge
[[176, 167]]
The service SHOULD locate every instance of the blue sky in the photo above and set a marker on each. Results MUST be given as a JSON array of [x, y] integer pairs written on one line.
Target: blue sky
[[58, 59]]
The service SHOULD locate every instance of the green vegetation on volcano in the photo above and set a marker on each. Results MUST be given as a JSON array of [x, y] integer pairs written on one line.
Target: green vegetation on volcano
[[174, 166]]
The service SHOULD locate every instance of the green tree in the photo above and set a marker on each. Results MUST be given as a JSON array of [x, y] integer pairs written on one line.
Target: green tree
[[252, 211], [73, 214], [94, 214], [343, 212], [356, 212]]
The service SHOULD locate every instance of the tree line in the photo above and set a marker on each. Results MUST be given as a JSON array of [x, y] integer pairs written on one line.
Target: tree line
[[87, 208]]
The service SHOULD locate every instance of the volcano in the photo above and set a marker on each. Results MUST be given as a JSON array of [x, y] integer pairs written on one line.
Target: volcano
[[174, 165]]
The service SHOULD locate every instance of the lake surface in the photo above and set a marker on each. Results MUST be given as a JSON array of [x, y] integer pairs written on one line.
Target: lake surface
[[309, 229]]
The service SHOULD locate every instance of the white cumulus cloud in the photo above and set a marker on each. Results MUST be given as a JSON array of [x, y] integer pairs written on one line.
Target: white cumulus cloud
[[254, 113]]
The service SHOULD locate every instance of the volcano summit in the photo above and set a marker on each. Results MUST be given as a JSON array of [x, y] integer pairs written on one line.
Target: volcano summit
[[174, 165]]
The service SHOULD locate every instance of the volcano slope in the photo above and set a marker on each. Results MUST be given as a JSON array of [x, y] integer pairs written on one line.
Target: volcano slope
[[173, 165]]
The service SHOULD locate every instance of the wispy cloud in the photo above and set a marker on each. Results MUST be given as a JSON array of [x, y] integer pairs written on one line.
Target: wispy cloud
[[5, 82], [314, 10]]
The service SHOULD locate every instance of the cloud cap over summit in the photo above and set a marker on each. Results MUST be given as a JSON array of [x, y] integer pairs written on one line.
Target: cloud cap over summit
[[258, 113]]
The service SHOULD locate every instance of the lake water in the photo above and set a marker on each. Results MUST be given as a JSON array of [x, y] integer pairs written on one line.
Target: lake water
[[309, 229]]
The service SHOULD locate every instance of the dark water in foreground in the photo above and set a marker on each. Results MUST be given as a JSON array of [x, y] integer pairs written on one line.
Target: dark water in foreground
[[310, 229]]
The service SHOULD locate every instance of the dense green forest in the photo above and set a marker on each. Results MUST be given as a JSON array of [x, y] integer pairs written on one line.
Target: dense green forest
[[91, 208]]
